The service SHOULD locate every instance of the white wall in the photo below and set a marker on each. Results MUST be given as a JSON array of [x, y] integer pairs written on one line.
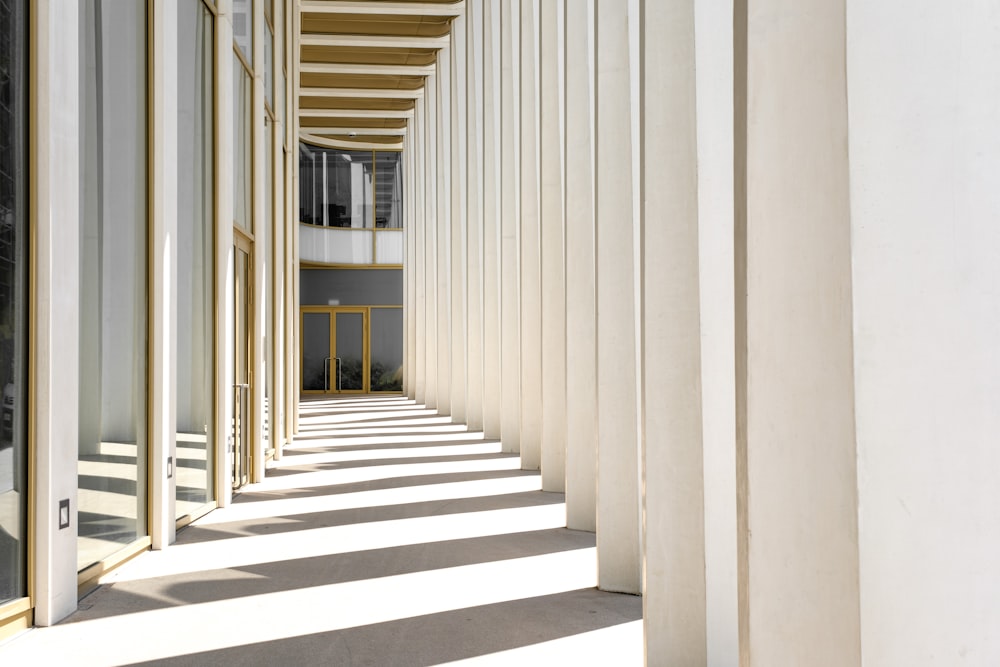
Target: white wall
[[925, 204]]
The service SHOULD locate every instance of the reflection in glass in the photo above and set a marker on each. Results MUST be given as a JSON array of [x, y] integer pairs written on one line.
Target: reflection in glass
[[243, 27], [13, 301], [351, 287], [387, 349], [335, 187], [350, 351], [316, 357], [112, 445], [388, 189], [195, 264], [242, 147], [269, 66]]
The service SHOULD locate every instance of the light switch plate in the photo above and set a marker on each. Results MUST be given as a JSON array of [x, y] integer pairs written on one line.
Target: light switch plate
[[64, 513]]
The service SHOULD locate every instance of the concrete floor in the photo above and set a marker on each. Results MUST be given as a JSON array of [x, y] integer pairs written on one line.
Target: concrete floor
[[386, 536]]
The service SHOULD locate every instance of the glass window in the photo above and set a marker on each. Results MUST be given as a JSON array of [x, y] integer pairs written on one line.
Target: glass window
[[386, 349], [13, 299], [269, 66], [112, 447], [388, 189], [351, 287], [242, 147], [195, 258], [335, 187], [243, 27]]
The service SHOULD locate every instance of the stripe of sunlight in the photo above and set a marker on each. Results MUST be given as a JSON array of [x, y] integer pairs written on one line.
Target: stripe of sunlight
[[158, 634], [380, 429], [336, 455], [385, 439], [358, 414], [617, 645], [351, 475], [288, 507], [417, 421], [330, 540]]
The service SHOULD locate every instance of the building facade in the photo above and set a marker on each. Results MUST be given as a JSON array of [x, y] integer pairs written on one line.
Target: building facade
[[148, 332], [723, 272]]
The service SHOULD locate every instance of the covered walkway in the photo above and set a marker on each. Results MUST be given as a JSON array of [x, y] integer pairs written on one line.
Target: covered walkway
[[386, 535]]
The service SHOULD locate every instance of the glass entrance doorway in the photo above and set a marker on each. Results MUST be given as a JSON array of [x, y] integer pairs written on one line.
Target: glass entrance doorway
[[335, 358], [242, 385]]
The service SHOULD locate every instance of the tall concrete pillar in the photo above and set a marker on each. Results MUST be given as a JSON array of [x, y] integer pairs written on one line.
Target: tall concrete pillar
[[673, 488], [925, 258], [552, 140], [510, 267], [417, 235], [55, 276], [473, 185], [429, 209], [492, 244], [457, 221], [618, 373], [714, 81], [529, 241], [442, 222], [163, 272], [796, 466], [581, 268], [411, 266]]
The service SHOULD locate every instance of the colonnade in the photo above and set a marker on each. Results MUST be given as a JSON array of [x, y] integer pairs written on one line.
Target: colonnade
[[668, 252]]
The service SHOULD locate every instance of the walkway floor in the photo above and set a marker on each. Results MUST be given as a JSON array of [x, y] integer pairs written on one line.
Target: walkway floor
[[385, 536]]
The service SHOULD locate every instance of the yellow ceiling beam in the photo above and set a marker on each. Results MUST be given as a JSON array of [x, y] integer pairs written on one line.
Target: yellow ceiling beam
[[365, 69], [354, 113], [363, 131], [374, 41], [449, 9], [361, 93]]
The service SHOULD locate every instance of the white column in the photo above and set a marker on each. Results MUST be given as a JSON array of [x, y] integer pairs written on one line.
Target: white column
[[618, 512], [552, 138], [418, 236], [224, 252], [55, 275], [429, 141], [510, 289], [457, 173], [473, 184], [442, 223], [492, 217], [581, 269], [925, 258], [797, 482], [530, 243], [714, 81], [673, 498], [260, 250], [276, 408], [163, 277], [412, 266]]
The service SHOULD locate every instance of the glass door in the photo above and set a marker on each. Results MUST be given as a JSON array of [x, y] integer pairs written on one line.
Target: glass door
[[242, 385], [335, 350]]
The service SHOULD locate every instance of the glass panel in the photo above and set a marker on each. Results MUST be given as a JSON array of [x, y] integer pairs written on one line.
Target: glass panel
[[269, 66], [195, 262], [387, 349], [241, 368], [242, 147], [335, 187], [350, 351], [335, 246], [315, 351], [351, 287], [13, 299], [112, 445], [243, 27], [389, 247], [389, 189]]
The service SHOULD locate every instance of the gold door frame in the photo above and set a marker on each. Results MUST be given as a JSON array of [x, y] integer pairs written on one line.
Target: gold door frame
[[243, 452], [332, 312]]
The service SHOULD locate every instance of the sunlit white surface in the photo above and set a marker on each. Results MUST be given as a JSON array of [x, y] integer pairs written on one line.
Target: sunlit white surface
[[225, 623], [618, 645]]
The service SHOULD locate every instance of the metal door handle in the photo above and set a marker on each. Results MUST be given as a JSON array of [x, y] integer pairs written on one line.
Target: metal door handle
[[326, 374], [340, 371]]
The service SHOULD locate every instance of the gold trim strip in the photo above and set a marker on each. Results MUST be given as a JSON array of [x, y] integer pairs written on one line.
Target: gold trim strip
[[86, 579]]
